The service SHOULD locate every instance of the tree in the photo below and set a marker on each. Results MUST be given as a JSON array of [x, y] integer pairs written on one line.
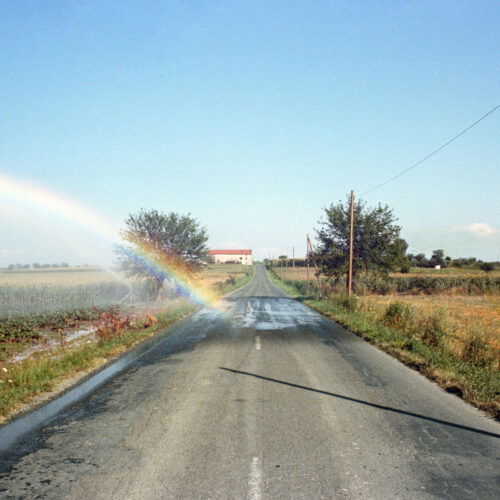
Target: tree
[[159, 244], [487, 267], [421, 260], [437, 258], [377, 243]]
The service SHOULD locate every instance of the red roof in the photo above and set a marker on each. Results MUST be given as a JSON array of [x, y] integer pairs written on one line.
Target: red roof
[[230, 252]]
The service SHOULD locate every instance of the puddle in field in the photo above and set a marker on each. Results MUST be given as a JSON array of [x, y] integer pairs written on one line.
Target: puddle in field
[[50, 343]]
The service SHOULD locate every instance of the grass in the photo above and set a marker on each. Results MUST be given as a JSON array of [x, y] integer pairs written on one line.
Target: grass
[[42, 372], [21, 382], [451, 340], [224, 278]]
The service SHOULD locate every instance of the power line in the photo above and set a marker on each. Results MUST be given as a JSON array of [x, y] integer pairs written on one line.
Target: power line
[[433, 152]]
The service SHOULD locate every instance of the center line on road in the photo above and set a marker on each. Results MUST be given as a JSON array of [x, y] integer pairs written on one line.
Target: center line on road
[[254, 482], [257, 343]]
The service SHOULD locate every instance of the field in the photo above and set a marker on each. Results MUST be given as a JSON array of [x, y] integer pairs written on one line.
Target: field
[[215, 274], [58, 323], [300, 272], [85, 276], [465, 314], [452, 334], [65, 277], [35, 304], [39, 291]]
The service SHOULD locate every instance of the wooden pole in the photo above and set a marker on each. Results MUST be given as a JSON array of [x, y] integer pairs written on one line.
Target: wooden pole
[[293, 258], [351, 239], [307, 262]]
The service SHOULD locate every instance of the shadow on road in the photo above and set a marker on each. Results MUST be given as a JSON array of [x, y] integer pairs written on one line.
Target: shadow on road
[[366, 403]]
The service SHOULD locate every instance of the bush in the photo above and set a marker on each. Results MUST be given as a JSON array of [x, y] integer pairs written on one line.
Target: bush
[[432, 329], [399, 316], [405, 268], [487, 267], [477, 350], [347, 302], [111, 324]]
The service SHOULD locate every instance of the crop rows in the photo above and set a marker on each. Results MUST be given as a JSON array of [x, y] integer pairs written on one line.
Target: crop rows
[[469, 285], [36, 299]]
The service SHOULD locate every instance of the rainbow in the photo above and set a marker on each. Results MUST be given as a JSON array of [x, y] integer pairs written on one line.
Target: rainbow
[[142, 255]]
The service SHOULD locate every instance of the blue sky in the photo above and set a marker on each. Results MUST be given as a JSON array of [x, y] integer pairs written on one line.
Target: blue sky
[[252, 116]]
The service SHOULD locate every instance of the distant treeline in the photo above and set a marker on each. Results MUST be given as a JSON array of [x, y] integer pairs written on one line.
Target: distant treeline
[[36, 265], [437, 258]]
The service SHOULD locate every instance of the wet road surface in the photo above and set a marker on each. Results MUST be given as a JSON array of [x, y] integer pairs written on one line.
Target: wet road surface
[[261, 399]]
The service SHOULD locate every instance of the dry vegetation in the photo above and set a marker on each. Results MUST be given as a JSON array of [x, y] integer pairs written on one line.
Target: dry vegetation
[[50, 328], [451, 335], [466, 316]]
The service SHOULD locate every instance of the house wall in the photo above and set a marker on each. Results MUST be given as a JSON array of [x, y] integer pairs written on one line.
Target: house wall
[[223, 258]]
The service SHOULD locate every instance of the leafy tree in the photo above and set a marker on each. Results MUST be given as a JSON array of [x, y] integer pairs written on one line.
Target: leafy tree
[[169, 241], [377, 247], [437, 258], [421, 260], [487, 267]]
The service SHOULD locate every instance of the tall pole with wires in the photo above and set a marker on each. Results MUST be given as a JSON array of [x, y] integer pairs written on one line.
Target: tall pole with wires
[[351, 240], [307, 262]]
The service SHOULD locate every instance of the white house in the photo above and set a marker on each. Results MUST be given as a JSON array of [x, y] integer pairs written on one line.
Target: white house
[[229, 256]]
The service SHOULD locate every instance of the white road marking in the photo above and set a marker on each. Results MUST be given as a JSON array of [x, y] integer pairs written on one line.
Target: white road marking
[[257, 343], [254, 482]]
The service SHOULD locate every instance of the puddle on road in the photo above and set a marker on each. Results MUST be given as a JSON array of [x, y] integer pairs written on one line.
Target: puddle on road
[[271, 314]]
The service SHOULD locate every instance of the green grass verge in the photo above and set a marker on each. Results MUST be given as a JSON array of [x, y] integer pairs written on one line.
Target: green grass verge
[[478, 385], [232, 283], [24, 380]]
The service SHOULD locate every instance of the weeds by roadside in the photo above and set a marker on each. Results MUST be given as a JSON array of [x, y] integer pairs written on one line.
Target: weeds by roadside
[[113, 331], [20, 382], [422, 341]]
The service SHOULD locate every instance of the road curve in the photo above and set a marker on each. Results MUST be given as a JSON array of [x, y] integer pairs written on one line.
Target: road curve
[[262, 398]]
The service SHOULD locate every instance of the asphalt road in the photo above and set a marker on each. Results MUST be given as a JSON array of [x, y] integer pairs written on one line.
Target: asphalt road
[[262, 399]]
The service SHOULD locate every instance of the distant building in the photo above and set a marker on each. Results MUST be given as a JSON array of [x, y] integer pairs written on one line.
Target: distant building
[[231, 256]]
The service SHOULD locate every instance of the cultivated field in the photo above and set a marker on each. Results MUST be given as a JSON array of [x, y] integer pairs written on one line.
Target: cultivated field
[[65, 277], [222, 273], [301, 272], [84, 276], [38, 291], [464, 315]]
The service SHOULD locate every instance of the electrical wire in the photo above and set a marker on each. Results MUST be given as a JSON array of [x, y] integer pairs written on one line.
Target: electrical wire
[[433, 152]]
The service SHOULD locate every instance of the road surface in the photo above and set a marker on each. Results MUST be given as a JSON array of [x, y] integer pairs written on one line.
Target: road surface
[[262, 399]]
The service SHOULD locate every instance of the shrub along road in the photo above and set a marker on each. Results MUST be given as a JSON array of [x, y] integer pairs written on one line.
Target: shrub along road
[[262, 399]]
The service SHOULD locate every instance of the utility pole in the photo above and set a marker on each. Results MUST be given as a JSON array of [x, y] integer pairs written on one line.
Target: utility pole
[[307, 262], [293, 258], [351, 238]]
